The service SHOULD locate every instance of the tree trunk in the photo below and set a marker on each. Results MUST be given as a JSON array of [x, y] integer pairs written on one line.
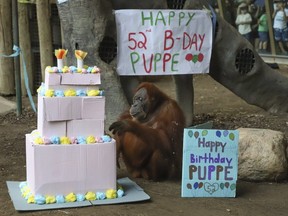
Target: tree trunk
[[83, 24], [45, 34], [25, 45], [237, 66], [185, 95], [6, 45]]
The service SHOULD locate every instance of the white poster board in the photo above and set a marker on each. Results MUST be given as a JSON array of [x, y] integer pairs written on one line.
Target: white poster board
[[163, 42]]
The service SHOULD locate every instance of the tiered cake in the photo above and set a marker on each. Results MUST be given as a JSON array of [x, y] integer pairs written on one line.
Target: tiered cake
[[69, 158]]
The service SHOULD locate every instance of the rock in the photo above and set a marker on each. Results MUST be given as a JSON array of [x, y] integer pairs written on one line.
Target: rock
[[262, 155]]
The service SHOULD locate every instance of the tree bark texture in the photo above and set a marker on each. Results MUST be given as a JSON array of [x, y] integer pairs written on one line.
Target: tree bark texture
[[25, 45], [83, 24], [45, 34], [6, 64], [261, 86]]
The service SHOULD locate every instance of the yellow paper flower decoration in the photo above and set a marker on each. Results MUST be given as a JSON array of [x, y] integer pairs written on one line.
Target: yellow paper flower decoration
[[93, 92], [70, 197], [80, 54], [49, 93], [39, 88], [111, 194], [90, 139], [38, 140], [24, 188], [35, 133], [90, 196], [31, 199], [26, 194], [70, 93], [60, 53], [49, 69], [65, 69], [50, 199], [65, 140], [25, 191]]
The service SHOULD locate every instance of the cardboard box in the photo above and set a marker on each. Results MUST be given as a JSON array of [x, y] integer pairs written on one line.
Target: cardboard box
[[62, 169], [85, 127], [61, 109], [52, 79], [53, 114], [93, 107], [72, 79], [70, 108], [48, 129], [80, 79]]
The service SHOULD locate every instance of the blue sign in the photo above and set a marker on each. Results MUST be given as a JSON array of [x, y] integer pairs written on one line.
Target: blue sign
[[210, 163]]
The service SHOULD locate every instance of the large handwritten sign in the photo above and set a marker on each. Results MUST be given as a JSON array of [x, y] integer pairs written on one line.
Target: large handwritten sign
[[163, 42], [210, 163]]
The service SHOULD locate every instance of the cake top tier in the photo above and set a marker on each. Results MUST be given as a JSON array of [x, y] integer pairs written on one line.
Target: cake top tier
[[73, 69], [80, 55], [79, 80]]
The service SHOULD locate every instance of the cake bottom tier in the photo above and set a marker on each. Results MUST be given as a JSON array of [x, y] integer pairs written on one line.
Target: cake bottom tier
[[62, 169]]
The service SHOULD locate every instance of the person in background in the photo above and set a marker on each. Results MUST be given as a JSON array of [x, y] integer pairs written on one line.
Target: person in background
[[263, 31], [254, 11], [243, 21], [280, 26]]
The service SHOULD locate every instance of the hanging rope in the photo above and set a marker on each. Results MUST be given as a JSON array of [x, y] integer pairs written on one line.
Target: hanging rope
[[16, 53]]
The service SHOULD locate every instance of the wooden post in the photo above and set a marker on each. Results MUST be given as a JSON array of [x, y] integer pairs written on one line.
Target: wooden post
[[269, 12], [45, 34], [16, 59], [6, 64], [25, 45]]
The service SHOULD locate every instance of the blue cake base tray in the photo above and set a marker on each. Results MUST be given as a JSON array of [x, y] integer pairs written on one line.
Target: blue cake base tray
[[133, 193]]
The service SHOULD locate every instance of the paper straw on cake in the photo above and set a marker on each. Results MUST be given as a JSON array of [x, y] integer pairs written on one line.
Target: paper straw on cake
[[60, 55], [80, 55]]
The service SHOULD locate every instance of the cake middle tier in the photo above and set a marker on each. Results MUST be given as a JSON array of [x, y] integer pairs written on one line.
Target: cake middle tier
[[71, 116]]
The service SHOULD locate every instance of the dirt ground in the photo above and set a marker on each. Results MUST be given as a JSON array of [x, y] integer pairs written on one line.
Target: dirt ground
[[212, 102]]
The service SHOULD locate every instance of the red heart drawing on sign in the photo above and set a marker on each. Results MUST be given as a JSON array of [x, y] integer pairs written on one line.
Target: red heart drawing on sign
[[189, 57], [200, 57]]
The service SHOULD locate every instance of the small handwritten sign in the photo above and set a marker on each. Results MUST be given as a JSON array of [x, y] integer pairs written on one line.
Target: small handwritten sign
[[210, 163], [163, 42]]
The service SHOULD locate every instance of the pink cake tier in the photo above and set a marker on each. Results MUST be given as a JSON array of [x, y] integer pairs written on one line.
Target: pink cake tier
[[71, 116], [64, 169], [63, 79]]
